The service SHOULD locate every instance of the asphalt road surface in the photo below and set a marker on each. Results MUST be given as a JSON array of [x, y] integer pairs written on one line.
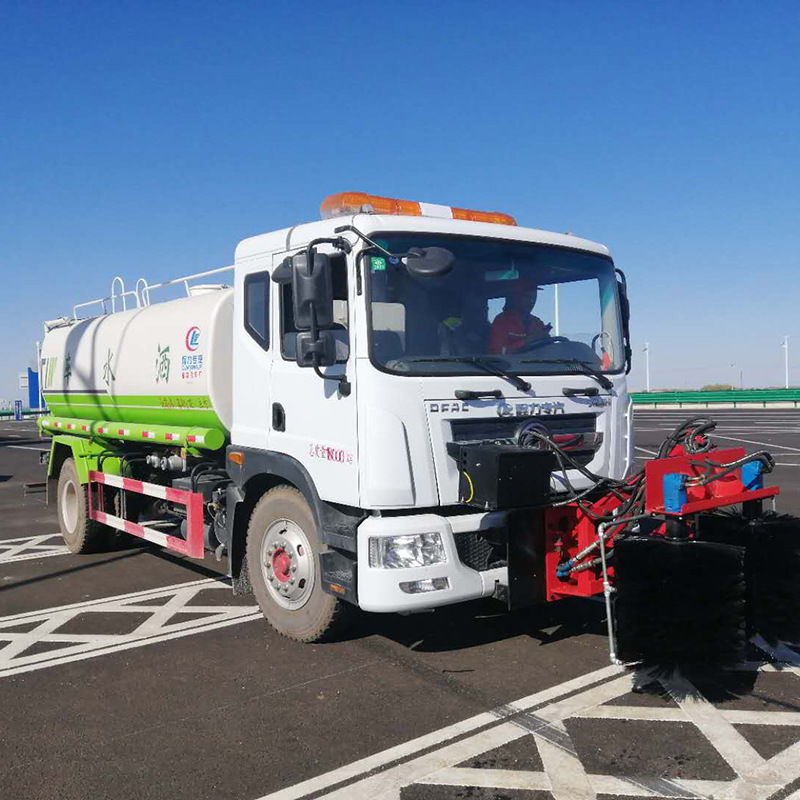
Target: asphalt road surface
[[136, 674]]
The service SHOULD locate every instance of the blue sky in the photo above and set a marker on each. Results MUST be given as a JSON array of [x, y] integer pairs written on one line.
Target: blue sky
[[149, 138]]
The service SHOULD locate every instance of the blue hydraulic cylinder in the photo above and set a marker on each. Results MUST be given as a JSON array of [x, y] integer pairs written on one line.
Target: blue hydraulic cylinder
[[753, 476], [674, 492]]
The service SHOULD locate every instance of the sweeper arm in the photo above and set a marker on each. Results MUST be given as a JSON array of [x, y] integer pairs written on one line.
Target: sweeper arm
[[686, 577]]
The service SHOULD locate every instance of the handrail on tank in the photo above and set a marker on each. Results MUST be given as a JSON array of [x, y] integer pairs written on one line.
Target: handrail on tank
[[145, 288], [113, 297], [141, 285], [122, 294], [101, 300], [141, 294]]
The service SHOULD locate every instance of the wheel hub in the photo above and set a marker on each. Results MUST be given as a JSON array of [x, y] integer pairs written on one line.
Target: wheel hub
[[287, 564], [281, 565]]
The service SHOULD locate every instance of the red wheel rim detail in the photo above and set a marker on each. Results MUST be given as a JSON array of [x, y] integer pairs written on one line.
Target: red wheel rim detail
[[281, 565]]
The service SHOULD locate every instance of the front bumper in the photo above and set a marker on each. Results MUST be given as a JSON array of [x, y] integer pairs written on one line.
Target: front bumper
[[379, 588]]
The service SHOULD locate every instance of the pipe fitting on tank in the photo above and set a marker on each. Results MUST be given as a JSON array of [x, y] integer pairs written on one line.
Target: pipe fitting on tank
[[173, 464]]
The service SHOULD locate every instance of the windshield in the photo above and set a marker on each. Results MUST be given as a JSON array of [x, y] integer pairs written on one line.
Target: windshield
[[525, 308]]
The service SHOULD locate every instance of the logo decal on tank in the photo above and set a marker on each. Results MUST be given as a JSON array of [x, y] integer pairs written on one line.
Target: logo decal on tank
[[162, 364], [193, 338], [192, 366], [108, 370]]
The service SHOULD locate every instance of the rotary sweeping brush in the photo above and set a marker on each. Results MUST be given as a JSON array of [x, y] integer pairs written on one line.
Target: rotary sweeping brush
[[679, 601], [772, 567]]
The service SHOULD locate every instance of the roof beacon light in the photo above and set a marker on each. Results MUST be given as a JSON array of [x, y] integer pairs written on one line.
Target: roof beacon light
[[338, 205]]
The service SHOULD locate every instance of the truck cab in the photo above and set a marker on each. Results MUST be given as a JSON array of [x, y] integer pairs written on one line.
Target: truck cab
[[514, 332]]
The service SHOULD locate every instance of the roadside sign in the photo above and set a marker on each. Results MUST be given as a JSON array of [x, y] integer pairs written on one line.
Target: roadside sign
[[18, 410]]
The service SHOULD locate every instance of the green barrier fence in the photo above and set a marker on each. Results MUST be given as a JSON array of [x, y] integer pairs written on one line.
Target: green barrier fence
[[735, 397], [25, 412]]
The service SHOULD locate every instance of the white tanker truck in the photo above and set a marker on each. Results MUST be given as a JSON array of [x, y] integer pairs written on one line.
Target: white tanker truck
[[369, 417]]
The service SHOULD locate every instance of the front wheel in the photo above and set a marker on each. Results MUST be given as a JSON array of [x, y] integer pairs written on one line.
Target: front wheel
[[283, 563], [81, 533]]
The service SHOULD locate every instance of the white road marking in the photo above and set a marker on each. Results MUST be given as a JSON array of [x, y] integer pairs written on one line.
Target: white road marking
[[760, 444], [645, 450], [410, 748], [490, 778], [23, 447], [163, 623], [730, 744], [657, 714], [27, 548], [567, 777], [542, 717]]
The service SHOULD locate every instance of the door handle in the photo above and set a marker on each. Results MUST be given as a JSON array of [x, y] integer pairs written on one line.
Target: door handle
[[278, 417]]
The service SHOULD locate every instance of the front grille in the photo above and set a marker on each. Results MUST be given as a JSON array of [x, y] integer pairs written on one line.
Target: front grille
[[477, 552], [490, 429], [473, 431]]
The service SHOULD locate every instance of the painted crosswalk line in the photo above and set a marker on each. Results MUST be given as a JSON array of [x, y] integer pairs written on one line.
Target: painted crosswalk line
[[26, 548], [40, 639]]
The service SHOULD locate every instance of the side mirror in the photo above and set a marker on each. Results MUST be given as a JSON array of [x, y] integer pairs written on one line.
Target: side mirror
[[323, 346], [429, 262], [312, 290]]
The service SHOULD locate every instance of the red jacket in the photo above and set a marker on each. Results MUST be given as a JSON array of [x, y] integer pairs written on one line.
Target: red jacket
[[511, 330]]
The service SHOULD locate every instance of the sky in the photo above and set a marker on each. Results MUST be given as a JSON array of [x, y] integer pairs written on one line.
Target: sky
[[148, 138]]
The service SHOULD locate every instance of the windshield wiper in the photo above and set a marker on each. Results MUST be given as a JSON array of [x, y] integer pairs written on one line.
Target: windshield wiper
[[487, 366], [581, 366]]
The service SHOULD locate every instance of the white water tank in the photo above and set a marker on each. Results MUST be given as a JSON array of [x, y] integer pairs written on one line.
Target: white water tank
[[168, 363]]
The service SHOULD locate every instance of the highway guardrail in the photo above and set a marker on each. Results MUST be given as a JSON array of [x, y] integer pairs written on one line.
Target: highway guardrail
[[783, 398]]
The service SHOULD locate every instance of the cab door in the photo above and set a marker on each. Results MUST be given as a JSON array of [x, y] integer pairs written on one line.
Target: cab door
[[252, 356], [312, 420]]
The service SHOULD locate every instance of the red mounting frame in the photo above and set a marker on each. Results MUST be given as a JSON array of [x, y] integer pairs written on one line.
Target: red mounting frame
[[725, 491], [192, 546]]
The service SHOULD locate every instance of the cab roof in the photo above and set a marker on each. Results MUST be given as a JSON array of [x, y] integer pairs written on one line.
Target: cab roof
[[299, 235]]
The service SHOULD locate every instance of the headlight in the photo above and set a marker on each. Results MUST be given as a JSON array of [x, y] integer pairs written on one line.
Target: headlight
[[402, 552]]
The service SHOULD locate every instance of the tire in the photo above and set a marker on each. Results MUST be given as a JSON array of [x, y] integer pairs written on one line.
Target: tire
[[283, 544], [81, 534]]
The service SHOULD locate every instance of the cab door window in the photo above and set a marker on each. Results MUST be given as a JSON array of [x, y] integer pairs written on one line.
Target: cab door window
[[256, 307]]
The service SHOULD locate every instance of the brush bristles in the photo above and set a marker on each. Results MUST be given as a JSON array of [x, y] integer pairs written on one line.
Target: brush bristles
[[772, 568], [679, 601]]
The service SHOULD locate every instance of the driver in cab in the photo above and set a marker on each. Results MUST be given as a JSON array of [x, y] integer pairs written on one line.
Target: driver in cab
[[515, 326]]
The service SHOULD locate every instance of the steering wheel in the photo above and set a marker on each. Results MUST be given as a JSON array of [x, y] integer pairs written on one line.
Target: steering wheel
[[537, 343], [606, 345]]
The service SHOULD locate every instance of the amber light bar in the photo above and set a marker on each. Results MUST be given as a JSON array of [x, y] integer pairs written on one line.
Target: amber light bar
[[338, 205]]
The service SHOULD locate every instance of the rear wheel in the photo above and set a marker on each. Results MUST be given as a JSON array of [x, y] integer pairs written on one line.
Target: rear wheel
[[81, 534], [283, 551]]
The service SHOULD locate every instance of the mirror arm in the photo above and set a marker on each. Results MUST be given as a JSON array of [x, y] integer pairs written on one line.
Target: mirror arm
[[340, 243], [345, 386], [364, 237]]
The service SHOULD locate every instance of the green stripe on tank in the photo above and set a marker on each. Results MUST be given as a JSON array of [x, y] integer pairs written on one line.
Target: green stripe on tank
[[183, 410]]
